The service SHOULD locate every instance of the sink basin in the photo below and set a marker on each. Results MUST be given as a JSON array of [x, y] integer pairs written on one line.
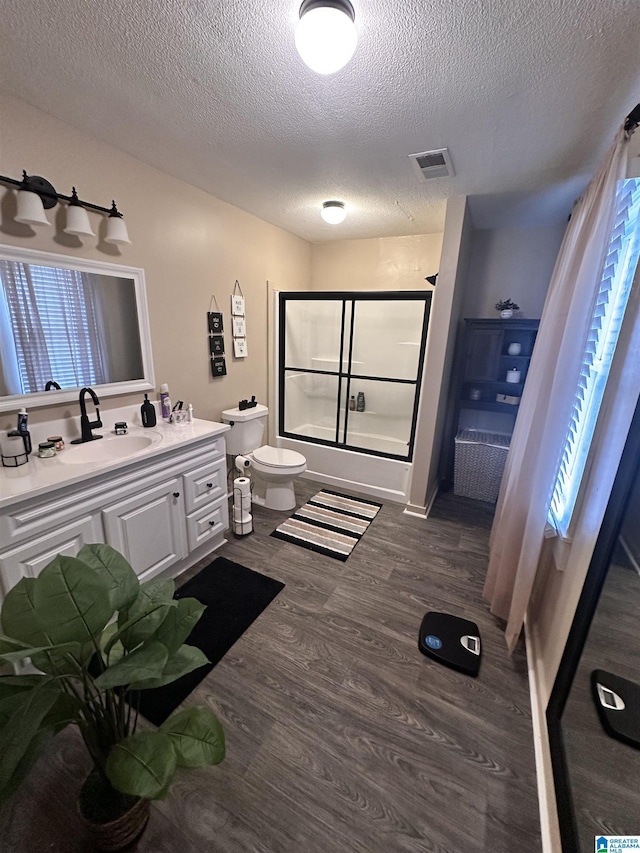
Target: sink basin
[[111, 448]]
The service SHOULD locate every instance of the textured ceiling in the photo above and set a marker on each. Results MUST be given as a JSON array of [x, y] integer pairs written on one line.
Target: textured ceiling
[[526, 96]]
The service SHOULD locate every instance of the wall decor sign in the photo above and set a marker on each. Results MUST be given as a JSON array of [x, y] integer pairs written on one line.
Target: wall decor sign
[[215, 325], [240, 347], [218, 366], [237, 300], [239, 327], [216, 345]]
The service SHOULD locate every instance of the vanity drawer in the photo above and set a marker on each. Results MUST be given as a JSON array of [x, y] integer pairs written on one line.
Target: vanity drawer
[[205, 484], [207, 524]]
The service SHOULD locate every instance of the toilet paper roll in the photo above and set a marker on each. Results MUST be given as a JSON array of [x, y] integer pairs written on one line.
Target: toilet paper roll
[[242, 462], [242, 500]]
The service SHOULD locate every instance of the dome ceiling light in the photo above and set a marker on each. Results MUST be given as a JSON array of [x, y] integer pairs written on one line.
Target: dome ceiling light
[[333, 212], [326, 36]]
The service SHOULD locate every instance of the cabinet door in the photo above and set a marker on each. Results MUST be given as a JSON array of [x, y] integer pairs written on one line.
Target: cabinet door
[[483, 354], [29, 559], [149, 528]]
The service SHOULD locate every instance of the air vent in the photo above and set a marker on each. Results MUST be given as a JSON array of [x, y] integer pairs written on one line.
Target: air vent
[[434, 164]]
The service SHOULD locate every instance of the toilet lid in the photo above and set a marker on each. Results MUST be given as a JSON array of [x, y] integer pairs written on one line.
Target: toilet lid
[[278, 457]]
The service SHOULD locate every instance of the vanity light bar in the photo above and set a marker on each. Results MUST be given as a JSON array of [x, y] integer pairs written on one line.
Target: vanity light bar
[[46, 192]]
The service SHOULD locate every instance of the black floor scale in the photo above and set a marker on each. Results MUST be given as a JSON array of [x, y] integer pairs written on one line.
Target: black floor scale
[[618, 702], [453, 641]]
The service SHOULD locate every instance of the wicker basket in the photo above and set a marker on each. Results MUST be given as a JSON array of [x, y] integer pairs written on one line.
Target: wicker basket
[[479, 464]]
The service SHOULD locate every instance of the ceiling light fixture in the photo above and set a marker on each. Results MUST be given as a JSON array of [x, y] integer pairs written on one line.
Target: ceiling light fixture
[[326, 35], [333, 212], [36, 194]]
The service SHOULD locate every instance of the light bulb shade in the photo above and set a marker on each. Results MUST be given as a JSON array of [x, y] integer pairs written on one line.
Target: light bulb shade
[[30, 209], [116, 231], [326, 36], [78, 221], [333, 212]]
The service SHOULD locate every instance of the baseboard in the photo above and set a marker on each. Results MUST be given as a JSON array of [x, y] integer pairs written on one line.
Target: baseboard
[[549, 828], [340, 483]]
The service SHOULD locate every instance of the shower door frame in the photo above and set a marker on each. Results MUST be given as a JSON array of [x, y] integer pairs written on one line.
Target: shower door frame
[[352, 296]]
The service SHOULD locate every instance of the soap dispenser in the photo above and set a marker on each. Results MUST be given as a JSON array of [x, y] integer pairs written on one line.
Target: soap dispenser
[[148, 412]]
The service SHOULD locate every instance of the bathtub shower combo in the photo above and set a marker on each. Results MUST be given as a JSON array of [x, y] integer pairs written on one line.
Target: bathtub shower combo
[[350, 369]]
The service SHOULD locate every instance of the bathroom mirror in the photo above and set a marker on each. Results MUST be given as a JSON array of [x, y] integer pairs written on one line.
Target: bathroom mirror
[[593, 714], [67, 322]]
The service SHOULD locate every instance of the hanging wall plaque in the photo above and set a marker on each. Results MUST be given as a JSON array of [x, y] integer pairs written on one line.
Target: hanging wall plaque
[[216, 345], [218, 366], [239, 327], [240, 347], [237, 300]]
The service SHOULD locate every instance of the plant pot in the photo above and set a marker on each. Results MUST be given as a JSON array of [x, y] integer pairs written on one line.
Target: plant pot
[[507, 314], [113, 820]]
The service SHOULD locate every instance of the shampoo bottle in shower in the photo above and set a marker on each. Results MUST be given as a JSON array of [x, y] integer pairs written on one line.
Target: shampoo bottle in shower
[[360, 402], [352, 403], [148, 412]]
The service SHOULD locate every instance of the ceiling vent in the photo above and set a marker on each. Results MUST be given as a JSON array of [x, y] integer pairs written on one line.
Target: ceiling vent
[[434, 164]]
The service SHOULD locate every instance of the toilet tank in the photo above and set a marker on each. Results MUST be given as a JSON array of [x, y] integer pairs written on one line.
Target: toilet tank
[[248, 428]]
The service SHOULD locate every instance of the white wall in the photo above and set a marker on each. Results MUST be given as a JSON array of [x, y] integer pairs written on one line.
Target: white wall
[[511, 263], [190, 245]]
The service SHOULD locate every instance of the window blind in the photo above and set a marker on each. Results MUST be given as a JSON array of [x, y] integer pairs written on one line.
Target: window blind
[[618, 271], [53, 316]]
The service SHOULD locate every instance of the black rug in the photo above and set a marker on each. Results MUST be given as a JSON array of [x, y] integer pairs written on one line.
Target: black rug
[[235, 596]]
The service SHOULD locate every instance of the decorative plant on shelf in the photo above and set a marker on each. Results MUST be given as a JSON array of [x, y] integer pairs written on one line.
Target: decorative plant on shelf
[[89, 661], [506, 307]]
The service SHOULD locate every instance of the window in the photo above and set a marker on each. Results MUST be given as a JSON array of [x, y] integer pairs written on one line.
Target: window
[[617, 277]]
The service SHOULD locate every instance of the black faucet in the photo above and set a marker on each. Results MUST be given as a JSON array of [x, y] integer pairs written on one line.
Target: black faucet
[[86, 426], [51, 384]]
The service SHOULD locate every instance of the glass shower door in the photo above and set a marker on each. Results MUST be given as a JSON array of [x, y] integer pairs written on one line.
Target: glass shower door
[[387, 338], [310, 389], [351, 367]]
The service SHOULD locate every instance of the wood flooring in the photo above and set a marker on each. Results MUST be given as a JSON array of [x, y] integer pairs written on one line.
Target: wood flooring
[[341, 736]]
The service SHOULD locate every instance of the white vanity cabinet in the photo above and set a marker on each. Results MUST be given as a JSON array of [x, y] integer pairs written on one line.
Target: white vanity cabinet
[[163, 512]]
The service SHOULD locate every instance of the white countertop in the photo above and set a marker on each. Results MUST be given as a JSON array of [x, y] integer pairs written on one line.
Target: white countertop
[[39, 476]]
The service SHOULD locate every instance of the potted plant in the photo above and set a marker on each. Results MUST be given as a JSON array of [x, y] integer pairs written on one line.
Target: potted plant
[[94, 633], [506, 307]]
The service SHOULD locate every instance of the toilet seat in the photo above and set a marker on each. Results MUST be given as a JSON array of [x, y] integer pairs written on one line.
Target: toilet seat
[[278, 457]]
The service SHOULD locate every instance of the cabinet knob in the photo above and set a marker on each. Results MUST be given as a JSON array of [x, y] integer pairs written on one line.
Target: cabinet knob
[[212, 523], [209, 485], [176, 494]]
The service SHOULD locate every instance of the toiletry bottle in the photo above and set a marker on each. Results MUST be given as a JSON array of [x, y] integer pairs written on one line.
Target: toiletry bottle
[[23, 429], [352, 403], [190, 413], [360, 403], [148, 412], [165, 402]]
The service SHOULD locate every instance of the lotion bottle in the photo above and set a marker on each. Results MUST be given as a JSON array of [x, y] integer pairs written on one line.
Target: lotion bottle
[[165, 402]]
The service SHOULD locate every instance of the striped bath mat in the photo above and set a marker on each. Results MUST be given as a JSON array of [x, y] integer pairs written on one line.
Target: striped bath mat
[[330, 523]]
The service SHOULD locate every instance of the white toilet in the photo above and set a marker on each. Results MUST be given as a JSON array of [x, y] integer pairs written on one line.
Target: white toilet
[[273, 468]]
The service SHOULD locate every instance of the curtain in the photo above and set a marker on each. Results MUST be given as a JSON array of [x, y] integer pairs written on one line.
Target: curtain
[[521, 513]]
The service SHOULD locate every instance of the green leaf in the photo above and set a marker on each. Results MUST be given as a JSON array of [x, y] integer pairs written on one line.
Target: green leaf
[[25, 764], [20, 729], [10, 685], [197, 737], [145, 611], [116, 573], [128, 628], [71, 602], [142, 765], [179, 623], [8, 644], [19, 615], [185, 660], [146, 662], [60, 648]]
